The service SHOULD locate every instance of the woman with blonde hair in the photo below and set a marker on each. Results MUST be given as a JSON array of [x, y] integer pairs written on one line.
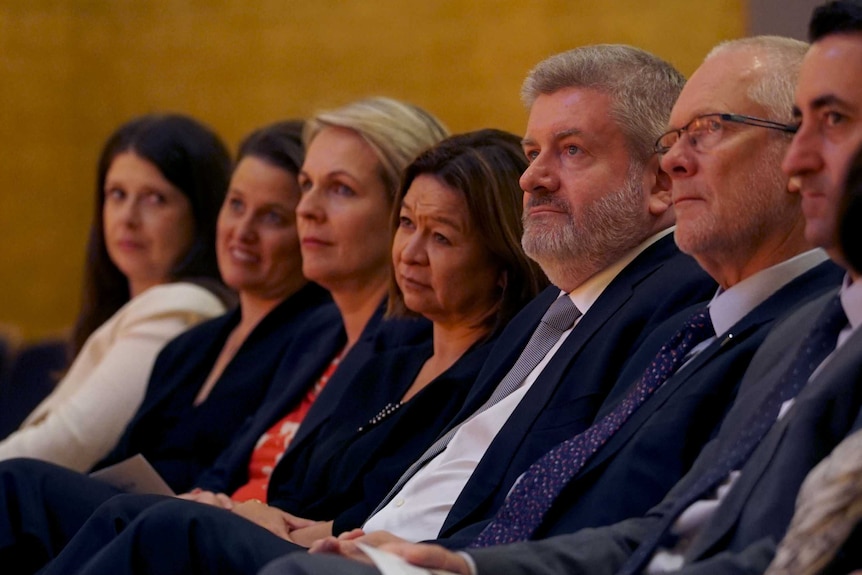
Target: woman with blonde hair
[[348, 181], [458, 263]]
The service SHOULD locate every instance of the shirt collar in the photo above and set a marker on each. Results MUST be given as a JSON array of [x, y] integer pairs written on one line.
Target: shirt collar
[[586, 294], [851, 299], [731, 305]]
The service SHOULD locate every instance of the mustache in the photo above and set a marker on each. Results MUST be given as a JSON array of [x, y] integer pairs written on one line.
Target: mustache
[[536, 200]]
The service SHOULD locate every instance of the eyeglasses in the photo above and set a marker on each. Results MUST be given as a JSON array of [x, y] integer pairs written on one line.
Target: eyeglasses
[[706, 131]]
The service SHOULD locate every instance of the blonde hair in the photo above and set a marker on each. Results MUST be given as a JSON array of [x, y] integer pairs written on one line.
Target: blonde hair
[[396, 131]]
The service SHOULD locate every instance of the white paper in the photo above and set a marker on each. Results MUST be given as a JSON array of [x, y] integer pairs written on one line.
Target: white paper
[[134, 475], [391, 564]]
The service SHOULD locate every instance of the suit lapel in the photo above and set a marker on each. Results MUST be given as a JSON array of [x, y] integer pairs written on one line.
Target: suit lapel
[[836, 374], [665, 393], [216, 334], [505, 352], [492, 468]]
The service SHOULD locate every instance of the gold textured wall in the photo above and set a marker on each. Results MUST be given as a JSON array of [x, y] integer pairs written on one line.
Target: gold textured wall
[[72, 70]]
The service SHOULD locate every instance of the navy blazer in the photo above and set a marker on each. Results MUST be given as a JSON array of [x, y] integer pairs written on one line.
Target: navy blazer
[[181, 440], [741, 534], [350, 462], [297, 372], [565, 398], [660, 441]]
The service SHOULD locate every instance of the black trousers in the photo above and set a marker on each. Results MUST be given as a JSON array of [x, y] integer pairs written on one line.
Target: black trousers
[[140, 534], [42, 506]]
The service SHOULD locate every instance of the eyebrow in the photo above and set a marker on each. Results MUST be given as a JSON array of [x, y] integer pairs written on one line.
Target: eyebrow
[[334, 174], [828, 100], [233, 190], [562, 134]]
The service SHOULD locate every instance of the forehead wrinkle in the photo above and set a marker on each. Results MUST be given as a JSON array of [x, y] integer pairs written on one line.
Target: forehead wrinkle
[[562, 134], [432, 213]]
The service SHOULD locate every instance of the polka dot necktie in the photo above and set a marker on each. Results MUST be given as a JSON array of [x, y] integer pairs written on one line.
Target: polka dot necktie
[[816, 347], [531, 498]]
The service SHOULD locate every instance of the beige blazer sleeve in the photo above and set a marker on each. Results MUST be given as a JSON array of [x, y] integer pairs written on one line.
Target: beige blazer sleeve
[[83, 418]]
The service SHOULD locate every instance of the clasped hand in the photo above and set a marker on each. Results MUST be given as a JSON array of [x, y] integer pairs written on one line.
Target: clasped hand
[[419, 554]]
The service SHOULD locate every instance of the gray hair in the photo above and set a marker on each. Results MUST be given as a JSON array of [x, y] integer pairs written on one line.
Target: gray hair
[[643, 88], [774, 87], [396, 131]]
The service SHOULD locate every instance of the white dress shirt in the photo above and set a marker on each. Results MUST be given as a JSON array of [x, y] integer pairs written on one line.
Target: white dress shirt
[[417, 512]]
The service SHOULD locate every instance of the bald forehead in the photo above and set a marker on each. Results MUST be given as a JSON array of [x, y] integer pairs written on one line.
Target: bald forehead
[[720, 84]]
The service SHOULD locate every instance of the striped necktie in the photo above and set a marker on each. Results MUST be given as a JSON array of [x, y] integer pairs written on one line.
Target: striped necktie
[[559, 318], [534, 494]]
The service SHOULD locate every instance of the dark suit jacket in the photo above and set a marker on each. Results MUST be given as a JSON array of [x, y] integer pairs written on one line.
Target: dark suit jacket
[[348, 461], [299, 370], [181, 440], [565, 398], [660, 441], [740, 536]]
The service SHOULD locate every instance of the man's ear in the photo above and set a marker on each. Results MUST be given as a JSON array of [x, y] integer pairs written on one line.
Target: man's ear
[[660, 200]]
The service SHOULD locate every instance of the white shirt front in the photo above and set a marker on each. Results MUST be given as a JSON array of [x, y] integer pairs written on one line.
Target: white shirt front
[[417, 512]]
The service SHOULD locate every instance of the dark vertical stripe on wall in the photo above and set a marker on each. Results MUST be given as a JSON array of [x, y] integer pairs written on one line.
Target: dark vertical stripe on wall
[[781, 17]]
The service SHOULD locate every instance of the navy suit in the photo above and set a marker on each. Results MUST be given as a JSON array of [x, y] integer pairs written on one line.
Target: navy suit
[[740, 536], [180, 439], [231, 469], [565, 398], [44, 505], [660, 441], [562, 402]]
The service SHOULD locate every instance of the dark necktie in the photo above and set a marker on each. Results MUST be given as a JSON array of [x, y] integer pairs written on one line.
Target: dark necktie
[[559, 317], [532, 497], [818, 344]]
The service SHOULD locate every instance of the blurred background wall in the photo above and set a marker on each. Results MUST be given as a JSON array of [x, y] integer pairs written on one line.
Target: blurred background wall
[[72, 70]]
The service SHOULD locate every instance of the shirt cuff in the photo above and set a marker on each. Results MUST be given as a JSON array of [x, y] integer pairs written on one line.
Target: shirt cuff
[[471, 564]]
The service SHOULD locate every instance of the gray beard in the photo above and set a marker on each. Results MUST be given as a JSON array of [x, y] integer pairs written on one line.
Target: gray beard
[[587, 242]]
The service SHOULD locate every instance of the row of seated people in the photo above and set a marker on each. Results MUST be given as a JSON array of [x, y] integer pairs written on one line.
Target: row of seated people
[[517, 417]]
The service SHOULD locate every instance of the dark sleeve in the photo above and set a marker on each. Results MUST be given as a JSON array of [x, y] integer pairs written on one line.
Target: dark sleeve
[[753, 560], [589, 551], [231, 467]]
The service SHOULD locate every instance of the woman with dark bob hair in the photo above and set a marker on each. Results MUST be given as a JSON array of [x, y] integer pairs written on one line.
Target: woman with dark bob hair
[[457, 262], [150, 274]]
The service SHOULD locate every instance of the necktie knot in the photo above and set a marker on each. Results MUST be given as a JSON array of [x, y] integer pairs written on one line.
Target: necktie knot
[[529, 501], [562, 313]]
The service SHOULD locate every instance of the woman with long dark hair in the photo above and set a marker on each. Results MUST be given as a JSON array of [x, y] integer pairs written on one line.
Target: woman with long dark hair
[[150, 275]]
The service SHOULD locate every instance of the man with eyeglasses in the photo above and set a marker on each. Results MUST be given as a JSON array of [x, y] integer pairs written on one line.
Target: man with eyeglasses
[[737, 218]]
